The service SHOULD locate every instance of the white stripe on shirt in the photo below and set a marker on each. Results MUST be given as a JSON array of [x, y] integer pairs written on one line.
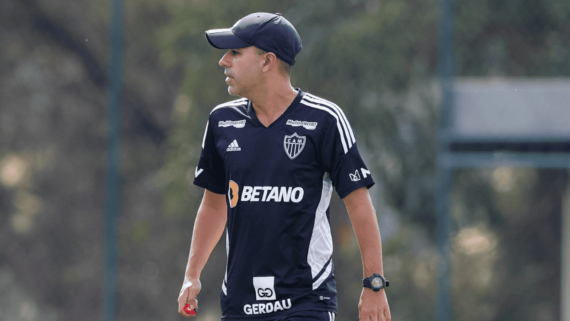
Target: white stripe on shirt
[[339, 112], [306, 103]]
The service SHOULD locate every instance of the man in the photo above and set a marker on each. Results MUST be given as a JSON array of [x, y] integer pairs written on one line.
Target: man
[[268, 165]]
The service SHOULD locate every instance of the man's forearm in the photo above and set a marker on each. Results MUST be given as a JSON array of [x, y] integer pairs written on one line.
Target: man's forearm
[[363, 218], [208, 228]]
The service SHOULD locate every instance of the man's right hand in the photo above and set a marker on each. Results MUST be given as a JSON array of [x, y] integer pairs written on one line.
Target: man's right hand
[[188, 294]]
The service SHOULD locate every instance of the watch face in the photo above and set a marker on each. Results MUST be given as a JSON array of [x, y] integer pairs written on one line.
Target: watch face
[[376, 282]]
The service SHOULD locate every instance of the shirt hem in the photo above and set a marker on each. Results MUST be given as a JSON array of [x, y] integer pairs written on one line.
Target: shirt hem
[[212, 189], [273, 316]]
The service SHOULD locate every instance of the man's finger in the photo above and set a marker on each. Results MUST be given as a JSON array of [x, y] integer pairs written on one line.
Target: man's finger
[[372, 316], [191, 302], [181, 310], [189, 309], [386, 314], [363, 316]]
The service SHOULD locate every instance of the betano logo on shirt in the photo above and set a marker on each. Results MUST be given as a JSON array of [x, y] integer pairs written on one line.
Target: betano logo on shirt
[[264, 194]]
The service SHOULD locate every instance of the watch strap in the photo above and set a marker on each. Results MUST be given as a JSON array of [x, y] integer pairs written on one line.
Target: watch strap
[[367, 282]]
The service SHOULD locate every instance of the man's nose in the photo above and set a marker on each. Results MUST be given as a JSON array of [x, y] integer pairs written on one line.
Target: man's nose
[[224, 62]]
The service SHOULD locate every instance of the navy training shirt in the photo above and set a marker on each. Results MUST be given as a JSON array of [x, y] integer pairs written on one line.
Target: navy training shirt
[[279, 182]]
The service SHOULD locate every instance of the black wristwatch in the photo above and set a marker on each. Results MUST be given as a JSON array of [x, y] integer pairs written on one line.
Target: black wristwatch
[[376, 282]]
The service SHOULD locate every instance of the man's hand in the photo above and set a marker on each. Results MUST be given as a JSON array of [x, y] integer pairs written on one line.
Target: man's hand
[[188, 294], [373, 306]]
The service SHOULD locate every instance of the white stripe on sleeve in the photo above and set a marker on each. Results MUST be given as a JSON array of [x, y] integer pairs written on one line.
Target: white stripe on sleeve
[[340, 113], [234, 104], [205, 133], [306, 103]]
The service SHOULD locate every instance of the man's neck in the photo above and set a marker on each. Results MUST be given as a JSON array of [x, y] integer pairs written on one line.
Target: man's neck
[[272, 101]]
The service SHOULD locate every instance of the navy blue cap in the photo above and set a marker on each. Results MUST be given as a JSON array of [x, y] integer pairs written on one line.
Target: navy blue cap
[[267, 31]]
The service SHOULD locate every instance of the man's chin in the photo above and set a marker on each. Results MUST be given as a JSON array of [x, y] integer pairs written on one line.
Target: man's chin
[[233, 92]]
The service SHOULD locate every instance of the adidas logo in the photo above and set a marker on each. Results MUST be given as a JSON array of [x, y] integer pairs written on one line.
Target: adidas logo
[[234, 147]]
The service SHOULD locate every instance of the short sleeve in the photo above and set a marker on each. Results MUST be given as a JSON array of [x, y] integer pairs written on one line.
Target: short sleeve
[[210, 173], [341, 159]]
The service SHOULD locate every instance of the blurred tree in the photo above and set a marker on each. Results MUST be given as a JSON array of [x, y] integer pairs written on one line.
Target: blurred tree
[[513, 38], [506, 253], [52, 143]]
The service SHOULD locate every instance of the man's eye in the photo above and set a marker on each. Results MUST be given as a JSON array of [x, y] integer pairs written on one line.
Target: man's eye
[[234, 52]]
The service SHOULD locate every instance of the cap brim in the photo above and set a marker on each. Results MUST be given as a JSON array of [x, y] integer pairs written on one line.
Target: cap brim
[[225, 39]]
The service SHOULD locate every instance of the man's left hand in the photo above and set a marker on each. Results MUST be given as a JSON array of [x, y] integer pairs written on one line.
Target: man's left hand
[[373, 306]]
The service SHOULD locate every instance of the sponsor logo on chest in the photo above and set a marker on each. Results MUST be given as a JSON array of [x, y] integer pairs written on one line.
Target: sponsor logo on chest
[[264, 194], [305, 124], [234, 123]]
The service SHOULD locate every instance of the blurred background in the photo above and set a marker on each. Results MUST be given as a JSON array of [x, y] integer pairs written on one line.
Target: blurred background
[[378, 60]]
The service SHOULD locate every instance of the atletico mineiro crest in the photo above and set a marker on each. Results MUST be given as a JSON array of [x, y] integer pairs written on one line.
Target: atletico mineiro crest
[[294, 145]]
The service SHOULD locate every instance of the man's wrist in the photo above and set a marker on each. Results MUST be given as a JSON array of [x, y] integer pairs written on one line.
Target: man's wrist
[[191, 276], [375, 282]]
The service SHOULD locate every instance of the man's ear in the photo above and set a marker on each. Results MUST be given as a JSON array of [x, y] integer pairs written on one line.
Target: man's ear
[[270, 61]]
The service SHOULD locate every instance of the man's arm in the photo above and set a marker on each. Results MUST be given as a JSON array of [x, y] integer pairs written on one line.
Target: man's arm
[[208, 228], [372, 305]]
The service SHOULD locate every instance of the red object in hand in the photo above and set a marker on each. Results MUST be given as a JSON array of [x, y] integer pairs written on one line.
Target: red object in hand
[[188, 310]]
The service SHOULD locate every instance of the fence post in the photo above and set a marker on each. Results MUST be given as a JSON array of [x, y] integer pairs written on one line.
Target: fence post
[[565, 256], [112, 174], [445, 74]]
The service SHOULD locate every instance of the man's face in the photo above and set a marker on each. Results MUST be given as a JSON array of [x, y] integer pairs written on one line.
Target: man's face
[[243, 70]]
